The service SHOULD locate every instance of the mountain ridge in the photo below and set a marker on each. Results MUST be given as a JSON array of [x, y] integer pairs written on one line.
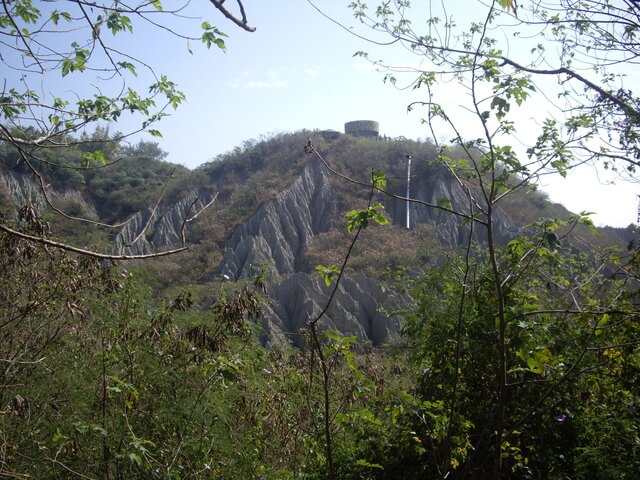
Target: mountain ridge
[[278, 210]]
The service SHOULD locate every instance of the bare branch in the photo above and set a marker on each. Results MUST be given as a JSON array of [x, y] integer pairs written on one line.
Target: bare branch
[[195, 215], [96, 36], [19, 32], [45, 194], [242, 23], [154, 209], [312, 149], [627, 108], [184, 220], [82, 251]]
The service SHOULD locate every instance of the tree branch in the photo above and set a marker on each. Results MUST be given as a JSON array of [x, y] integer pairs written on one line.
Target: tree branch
[[82, 251], [242, 23], [153, 210], [96, 36], [311, 149], [19, 32]]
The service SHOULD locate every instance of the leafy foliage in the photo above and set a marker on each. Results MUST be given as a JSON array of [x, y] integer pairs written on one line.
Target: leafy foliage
[[556, 350], [137, 391], [511, 338], [178, 386], [43, 41]]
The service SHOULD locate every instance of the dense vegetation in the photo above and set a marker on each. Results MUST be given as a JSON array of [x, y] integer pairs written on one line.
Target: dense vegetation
[[103, 378], [519, 354]]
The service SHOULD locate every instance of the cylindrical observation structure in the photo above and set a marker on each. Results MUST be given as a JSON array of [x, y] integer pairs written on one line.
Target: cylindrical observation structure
[[362, 128]]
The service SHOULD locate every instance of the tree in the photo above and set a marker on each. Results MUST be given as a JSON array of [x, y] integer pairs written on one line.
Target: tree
[[44, 42], [588, 49], [99, 380], [527, 327]]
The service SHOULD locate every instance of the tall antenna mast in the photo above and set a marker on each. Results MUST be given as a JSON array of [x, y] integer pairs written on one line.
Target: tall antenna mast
[[408, 157]]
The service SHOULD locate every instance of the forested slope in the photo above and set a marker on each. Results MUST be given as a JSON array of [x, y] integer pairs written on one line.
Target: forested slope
[[156, 369]]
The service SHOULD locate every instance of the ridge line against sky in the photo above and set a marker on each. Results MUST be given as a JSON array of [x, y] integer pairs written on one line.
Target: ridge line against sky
[[297, 71]]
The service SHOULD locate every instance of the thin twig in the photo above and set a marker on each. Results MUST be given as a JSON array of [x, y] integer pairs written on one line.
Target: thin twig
[[24, 40], [96, 36], [153, 210], [82, 251], [242, 23], [195, 215]]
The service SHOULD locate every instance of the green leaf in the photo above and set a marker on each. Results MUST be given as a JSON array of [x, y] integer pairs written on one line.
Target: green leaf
[[444, 203], [363, 463], [328, 273], [584, 218], [536, 360], [508, 5], [129, 66], [356, 218], [67, 66], [135, 458], [602, 323], [58, 436], [332, 335], [93, 157], [118, 23], [212, 36], [378, 179], [360, 218]]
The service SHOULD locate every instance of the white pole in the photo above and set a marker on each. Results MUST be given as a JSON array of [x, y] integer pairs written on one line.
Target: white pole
[[408, 188]]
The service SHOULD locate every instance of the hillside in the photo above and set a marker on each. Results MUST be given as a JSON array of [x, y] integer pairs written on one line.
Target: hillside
[[281, 212], [387, 369]]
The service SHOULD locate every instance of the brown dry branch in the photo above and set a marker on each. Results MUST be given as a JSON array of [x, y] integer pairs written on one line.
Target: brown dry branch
[[311, 149], [241, 22]]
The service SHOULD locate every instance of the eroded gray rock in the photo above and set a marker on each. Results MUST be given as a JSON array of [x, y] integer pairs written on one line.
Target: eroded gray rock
[[163, 231], [23, 189], [275, 237], [277, 233], [435, 186], [298, 298]]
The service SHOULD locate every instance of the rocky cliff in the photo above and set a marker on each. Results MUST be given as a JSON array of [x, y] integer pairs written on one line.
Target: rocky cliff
[[356, 309], [434, 186], [22, 189], [277, 233], [274, 238], [151, 231]]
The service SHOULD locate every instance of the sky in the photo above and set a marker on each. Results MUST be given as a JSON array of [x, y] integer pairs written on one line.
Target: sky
[[295, 71], [298, 71]]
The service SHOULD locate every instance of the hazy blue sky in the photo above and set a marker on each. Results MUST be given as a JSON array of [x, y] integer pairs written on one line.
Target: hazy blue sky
[[298, 71]]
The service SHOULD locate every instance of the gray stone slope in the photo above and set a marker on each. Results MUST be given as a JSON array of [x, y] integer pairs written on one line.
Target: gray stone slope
[[22, 189], [275, 238], [164, 229], [276, 234], [355, 310], [432, 187]]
